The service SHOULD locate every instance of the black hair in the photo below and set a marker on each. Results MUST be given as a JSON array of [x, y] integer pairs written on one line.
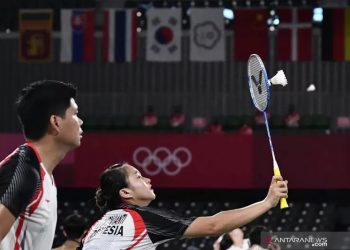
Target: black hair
[[38, 101], [255, 235], [226, 241], [112, 180], [74, 225]]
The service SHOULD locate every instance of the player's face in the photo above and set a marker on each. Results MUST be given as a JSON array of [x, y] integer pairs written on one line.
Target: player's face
[[236, 235], [70, 132], [141, 188]]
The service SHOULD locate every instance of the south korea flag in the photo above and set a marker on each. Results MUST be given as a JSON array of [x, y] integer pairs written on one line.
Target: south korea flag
[[164, 35]]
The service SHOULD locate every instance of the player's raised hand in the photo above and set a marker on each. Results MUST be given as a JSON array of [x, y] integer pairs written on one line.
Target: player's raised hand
[[278, 189]]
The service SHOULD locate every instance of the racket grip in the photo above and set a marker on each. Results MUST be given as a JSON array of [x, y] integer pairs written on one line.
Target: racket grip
[[283, 201]]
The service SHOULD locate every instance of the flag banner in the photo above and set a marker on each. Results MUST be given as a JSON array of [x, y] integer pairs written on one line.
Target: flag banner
[[207, 34], [336, 34], [294, 34], [77, 35], [119, 35], [250, 33], [35, 35], [163, 35]]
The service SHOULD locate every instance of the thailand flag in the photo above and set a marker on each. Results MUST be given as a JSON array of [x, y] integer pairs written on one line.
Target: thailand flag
[[119, 35], [77, 35]]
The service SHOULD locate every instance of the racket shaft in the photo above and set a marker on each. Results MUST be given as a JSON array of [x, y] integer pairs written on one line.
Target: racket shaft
[[269, 135], [276, 170]]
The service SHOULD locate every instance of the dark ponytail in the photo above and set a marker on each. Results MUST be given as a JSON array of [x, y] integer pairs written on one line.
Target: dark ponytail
[[112, 180], [100, 200]]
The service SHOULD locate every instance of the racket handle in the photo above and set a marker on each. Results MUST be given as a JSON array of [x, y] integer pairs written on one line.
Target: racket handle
[[283, 201]]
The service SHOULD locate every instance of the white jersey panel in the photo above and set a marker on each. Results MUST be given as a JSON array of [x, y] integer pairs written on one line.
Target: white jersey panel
[[35, 228]]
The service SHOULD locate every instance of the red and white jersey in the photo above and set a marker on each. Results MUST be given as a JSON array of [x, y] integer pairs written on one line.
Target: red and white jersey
[[29, 192], [137, 228]]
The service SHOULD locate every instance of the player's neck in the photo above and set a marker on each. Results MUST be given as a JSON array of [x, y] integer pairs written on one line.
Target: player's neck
[[50, 153], [238, 244], [71, 244], [139, 203]]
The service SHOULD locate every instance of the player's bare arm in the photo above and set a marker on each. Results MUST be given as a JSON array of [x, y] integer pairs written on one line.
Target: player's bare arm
[[7, 219], [226, 221]]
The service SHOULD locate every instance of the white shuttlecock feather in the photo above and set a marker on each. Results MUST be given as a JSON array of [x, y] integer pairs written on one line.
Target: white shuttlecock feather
[[279, 79], [311, 88]]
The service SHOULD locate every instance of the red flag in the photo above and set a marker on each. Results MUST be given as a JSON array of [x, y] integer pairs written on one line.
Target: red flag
[[35, 43], [294, 34], [250, 33]]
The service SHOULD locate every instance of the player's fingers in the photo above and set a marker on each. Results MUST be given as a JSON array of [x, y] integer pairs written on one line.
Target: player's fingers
[[282, 184], [283, 195], [276, 179], [284, 192]]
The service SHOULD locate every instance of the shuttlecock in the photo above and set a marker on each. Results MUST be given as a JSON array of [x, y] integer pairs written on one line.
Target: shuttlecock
[[279, 79], [311, 88]]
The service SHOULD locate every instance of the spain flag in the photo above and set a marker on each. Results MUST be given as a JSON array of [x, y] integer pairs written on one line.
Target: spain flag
[[336, 34]]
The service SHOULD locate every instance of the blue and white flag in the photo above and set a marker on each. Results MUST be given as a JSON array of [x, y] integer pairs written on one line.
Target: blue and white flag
[[120, 35]]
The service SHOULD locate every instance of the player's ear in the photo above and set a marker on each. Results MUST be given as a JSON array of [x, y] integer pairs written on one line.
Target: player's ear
[[125, 193], [53, 125]]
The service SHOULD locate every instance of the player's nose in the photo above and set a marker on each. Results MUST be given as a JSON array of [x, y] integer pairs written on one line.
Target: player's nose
[[148, 180]]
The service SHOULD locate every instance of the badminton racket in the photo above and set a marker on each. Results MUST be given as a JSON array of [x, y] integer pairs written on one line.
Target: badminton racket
[[260, 91]]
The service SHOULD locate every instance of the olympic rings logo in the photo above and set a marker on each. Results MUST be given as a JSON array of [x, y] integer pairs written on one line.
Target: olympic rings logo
[[162, 159]]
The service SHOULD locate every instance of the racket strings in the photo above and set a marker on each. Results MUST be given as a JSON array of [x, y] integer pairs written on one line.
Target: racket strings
[[258, 82]]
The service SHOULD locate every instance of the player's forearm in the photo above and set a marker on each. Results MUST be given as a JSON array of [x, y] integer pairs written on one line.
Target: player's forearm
[[228, 220], [7, 219]]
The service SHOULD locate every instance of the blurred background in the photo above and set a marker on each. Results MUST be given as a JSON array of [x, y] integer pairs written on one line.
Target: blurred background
[[163, 85]]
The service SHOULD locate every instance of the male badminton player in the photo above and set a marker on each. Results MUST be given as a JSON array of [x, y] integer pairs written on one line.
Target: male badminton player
[[124, 194], [49, 118]]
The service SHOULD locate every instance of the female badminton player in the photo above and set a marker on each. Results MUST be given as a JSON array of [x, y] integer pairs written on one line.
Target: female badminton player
[[130, 224]]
